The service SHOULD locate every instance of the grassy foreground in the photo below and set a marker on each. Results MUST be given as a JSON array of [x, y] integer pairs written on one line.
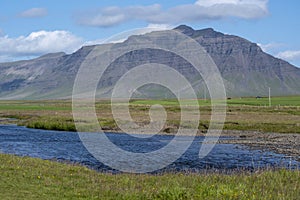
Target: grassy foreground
[[30, 178]]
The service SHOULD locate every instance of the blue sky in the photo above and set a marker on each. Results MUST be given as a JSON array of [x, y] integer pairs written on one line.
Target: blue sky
[[32, 28]]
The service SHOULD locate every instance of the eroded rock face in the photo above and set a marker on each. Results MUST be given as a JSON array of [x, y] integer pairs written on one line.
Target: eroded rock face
[[245, 68]]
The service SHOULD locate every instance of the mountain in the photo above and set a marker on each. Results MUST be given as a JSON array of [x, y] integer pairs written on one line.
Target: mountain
[[245, 68]]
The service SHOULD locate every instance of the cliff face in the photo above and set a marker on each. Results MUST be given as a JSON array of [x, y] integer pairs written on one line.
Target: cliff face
[[245, 68]]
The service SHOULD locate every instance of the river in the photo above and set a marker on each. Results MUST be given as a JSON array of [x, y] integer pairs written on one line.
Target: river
[[67, 147]]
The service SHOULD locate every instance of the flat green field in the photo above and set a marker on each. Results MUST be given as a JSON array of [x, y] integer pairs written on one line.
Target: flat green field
[[275, 101], [29, 178], [242, 114], [250, 101], [293, 101]]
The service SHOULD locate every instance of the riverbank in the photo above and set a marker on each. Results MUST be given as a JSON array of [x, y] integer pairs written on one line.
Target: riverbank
[[282, 143], [30, 178], [248, 121], [68, 147]]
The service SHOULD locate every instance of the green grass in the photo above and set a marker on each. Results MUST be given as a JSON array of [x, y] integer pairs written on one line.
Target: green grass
[[250, 101], [30, 178], [67, 124], [242, 114], [67, 105], [35, 105], [51, 123], [170, 102], [275, 101]]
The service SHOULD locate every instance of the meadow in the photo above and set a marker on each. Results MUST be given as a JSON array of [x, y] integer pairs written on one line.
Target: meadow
[[31, 178], [242, 114]]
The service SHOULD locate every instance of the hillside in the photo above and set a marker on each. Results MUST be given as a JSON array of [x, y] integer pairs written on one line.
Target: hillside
[[245, 68]]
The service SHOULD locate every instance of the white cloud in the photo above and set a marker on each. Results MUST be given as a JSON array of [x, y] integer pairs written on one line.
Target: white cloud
[[160, 26], [289, 55], [93, 42], [276, 49], [271, 47], [34, 12], [247, 9], [38, 43], [111, 16], [258, 3], [154, 14]]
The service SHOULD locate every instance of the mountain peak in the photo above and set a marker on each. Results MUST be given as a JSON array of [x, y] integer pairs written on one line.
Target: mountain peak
[[207, 32], [245, 68], [185, 30]]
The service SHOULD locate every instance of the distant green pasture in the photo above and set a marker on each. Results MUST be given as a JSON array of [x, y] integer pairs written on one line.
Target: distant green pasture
[[250, 101]]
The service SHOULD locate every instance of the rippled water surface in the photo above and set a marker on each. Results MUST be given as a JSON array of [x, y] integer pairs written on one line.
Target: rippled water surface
[[66, 146]]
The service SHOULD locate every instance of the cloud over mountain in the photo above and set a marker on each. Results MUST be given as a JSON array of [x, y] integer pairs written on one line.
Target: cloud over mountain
[[37, 43], [289, 55], [246, 70]]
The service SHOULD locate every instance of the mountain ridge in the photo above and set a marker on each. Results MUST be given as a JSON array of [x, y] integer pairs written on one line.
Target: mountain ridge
[[245, 68]]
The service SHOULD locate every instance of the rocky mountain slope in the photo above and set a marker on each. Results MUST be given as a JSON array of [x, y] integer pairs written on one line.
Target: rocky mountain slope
[[245, 68]]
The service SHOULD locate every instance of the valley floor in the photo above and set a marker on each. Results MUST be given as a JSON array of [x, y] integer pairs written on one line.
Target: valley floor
[[249, 121]]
